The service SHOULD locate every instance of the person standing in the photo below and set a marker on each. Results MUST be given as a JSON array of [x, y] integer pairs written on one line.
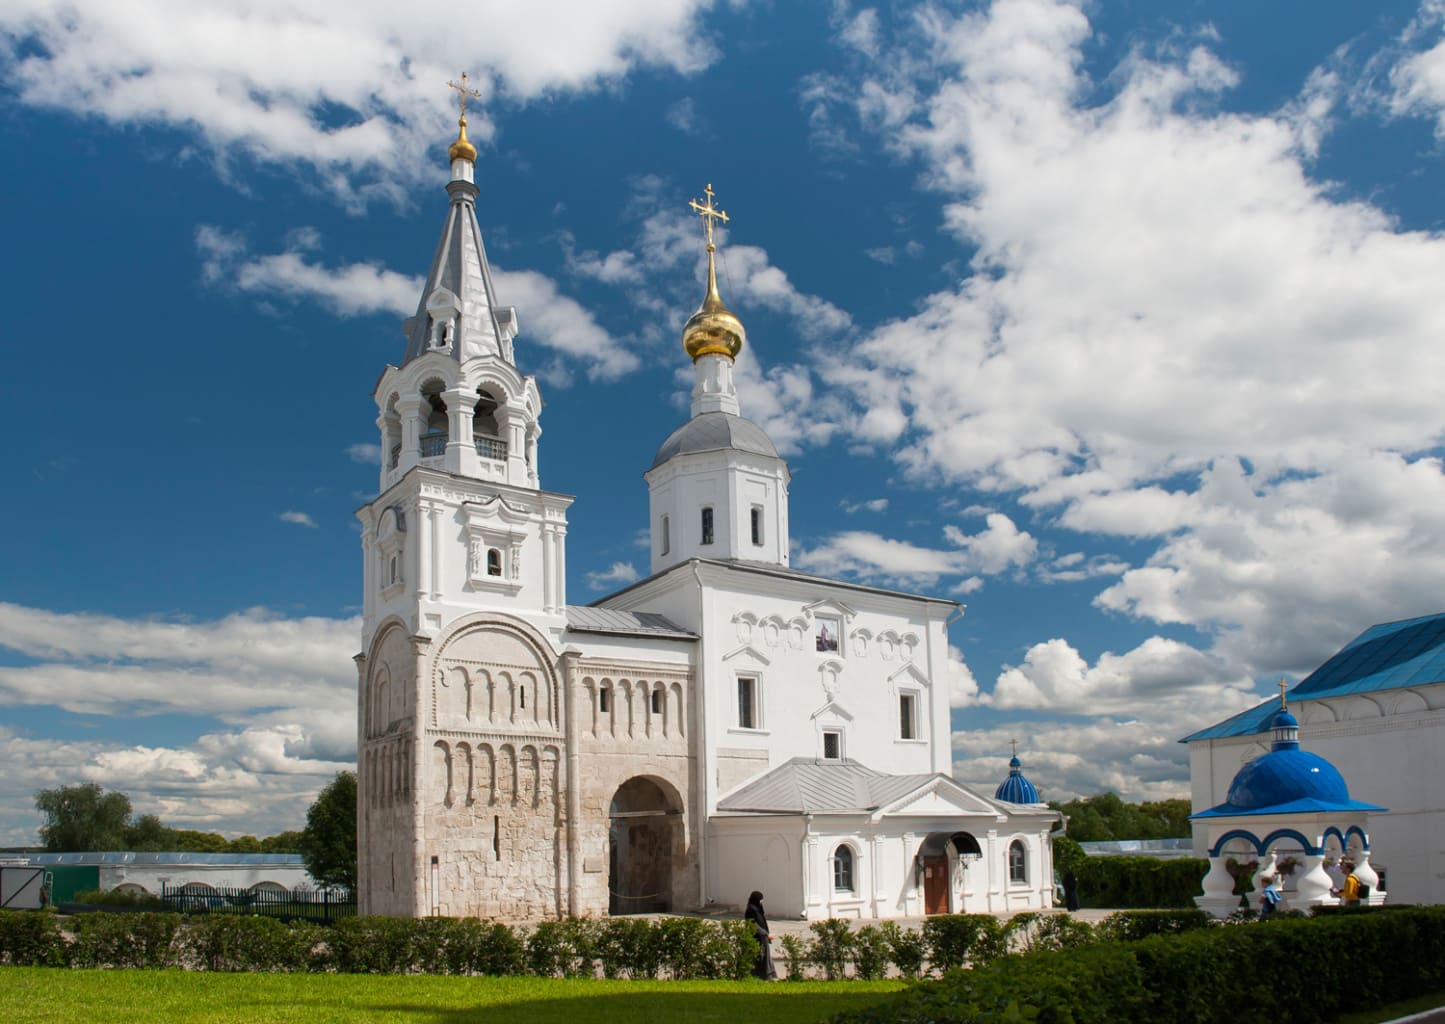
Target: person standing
[[754, 914], [1071, 891], [1350, 891]]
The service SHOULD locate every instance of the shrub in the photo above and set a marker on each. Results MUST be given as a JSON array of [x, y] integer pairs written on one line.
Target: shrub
[[235, 942], [732, 950], [956, 939], [1199, 976], [905, 948], [1131, 925], [31, 938], [468, 946], [797, 959], [870, 952], [1139, 881], [683, 946], [831, 948], [563, 948], [629, 948], [125, 940], [121, 898], [1059, 931], [373, 945]]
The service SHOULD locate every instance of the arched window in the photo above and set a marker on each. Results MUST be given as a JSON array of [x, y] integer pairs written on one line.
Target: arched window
[[494, 562], [1018, 863], [843, 869], [604, 699], [392, 573]]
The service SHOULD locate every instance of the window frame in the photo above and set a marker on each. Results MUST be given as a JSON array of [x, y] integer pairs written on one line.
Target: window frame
[[708, 525], [755, 523], [837, 736], [751, 686], [1018, 866], [666, 547], [845, 864], [908, 715]]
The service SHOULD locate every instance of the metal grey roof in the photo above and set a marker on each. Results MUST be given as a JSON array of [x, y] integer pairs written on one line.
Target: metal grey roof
[[182, 857], [587, 619], [779, 571], [460, 266], [808, 786], [715, 431], [1389, 656]]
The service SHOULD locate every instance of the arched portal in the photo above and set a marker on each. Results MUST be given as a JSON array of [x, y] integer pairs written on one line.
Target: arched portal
[[942, 857], [645, 839]]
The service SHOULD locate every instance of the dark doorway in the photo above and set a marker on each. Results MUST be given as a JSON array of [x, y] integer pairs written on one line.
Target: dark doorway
[[644, 837], [935, 884], [937, 854]]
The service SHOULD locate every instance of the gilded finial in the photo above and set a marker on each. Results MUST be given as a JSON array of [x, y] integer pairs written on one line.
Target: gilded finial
[[1283, 703], [462, 148], [713, 330]]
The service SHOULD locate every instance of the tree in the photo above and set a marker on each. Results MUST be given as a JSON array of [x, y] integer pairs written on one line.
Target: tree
[[147, 834], [328, 842], [1104, 816], [83, 818]]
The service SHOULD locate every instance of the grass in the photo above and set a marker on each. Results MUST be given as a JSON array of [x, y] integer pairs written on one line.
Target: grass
[[44, 995]]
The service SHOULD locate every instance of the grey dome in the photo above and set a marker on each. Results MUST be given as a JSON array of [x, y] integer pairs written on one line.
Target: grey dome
[[715, 431]]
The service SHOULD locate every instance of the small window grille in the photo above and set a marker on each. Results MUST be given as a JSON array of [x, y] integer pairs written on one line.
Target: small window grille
[[494, 562], [707, 524], [757, 524], [832, 746]]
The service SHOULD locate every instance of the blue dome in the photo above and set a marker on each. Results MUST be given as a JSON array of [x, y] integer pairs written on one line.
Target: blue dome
[[1283, 776], [1016, 789], [1283, 720]]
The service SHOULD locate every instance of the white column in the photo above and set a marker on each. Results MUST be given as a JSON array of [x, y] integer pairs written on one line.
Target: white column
[[549, 569], [409, 409], [435, 532], [1314, 885], [423, 552], [878, 854], [461, 449], [996, 874], [1218, 899]]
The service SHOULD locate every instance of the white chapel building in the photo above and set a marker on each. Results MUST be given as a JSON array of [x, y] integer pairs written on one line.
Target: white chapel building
[[725, 724]]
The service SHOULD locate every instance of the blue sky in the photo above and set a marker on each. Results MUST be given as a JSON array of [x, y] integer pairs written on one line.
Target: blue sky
[[1119, 323]]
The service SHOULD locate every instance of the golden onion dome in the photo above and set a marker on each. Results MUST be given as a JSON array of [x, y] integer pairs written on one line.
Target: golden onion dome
[[462, 149], [713, 330]]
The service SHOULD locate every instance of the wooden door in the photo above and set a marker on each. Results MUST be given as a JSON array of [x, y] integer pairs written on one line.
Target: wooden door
[[935, 885]]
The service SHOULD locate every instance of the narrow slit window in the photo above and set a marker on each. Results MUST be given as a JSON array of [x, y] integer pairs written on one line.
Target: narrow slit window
[[906, 726], [497, 836], [756, 519], [832, 746], [604, 699], [666, 537], [657, 702], [494, 562], [707, 524]]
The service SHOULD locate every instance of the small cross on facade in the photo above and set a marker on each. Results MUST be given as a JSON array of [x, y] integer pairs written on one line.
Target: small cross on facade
[[464, 93], [709, 213]]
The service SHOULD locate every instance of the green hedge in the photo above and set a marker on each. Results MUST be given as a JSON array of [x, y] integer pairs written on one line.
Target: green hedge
[[1293, 971], [1140, 881]]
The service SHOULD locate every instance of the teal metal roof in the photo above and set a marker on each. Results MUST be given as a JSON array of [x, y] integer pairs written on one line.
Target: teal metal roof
[[1389, 656]]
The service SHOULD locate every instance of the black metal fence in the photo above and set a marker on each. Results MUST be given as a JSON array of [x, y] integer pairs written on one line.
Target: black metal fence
[[320, 905]]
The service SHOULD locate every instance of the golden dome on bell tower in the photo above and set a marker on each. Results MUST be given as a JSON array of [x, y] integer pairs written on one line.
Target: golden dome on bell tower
[[462, 148], [713, 330]]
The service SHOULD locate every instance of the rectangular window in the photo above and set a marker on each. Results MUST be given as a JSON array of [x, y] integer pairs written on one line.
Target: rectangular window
[[757, 523], [604, 699], [906, 728], [747, 702], [832, 746], [666, 539], [657, 701], [707, 524]]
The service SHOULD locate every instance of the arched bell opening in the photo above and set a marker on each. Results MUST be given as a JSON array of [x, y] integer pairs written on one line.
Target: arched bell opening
[[434, 420], [942, 866], [645, 841], [486, 430]]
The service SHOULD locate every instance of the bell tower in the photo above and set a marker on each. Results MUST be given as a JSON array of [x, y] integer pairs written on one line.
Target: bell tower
[[464, 570]]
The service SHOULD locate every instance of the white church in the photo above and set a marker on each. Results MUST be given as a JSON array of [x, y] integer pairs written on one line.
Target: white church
[[725, 724]]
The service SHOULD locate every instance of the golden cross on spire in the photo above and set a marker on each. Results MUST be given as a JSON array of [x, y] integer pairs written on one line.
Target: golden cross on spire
[[708, 213], [1283, 703], [464, 93], [1015, 745]]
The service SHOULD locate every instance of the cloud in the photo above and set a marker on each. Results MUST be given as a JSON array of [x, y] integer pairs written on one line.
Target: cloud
[[367, 454], [962, 686], [869, 556], [354, 91], [1171, 331], [273, 699], [547, 317], [871, 505], [299, 518], [617, 574]]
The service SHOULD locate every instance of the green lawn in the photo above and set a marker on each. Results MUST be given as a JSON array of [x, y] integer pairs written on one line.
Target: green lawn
[[29, 995]]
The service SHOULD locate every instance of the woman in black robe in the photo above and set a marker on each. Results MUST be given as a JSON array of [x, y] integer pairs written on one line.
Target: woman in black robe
[[754, 914]]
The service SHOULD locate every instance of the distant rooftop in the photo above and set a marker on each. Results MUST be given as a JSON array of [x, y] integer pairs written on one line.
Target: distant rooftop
[[1389, 656], [184, 857], [1161, 849]]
